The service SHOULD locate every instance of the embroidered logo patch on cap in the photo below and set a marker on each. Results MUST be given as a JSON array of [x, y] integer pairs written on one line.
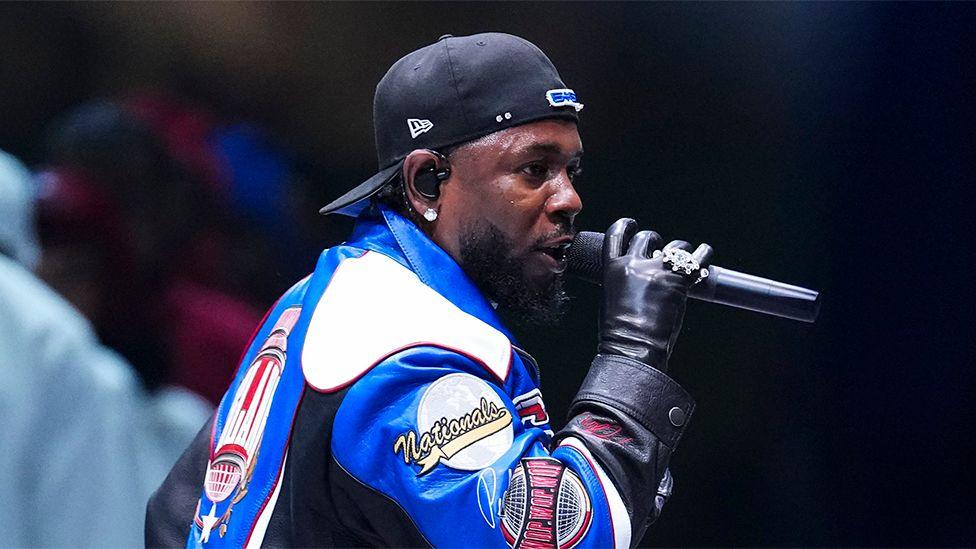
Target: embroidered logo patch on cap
[[418, 126], [564, 97]]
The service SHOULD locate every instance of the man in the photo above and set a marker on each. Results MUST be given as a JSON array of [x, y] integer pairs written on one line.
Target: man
[[384, 401]]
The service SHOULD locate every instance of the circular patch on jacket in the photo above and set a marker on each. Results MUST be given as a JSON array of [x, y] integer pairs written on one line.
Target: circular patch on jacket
[[461, 423], [545, 505]]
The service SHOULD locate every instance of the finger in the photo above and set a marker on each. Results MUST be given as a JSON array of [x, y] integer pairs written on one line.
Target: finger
[[678, 244], [643, 243], [703, 254], [617, 238]]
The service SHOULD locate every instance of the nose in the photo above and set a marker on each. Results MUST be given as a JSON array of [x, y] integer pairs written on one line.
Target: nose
[[564, 202]]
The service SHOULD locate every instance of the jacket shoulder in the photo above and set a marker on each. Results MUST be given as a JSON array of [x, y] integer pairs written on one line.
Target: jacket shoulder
[[372, 308]]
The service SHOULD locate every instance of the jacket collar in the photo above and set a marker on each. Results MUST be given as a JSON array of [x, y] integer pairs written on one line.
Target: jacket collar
[[384, 231]]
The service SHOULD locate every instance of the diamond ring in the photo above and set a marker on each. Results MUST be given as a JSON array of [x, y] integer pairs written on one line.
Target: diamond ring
[[682, 261]]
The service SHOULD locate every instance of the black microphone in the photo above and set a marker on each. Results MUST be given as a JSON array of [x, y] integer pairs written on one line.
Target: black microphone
[[584, 260]]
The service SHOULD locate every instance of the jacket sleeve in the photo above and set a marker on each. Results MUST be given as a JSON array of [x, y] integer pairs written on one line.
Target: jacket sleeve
[[428, 450]]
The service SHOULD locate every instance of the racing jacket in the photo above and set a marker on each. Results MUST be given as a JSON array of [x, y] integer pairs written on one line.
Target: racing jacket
[[382, 402]]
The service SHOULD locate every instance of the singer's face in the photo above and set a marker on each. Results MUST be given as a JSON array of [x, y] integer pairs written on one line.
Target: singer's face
[[507, 211]]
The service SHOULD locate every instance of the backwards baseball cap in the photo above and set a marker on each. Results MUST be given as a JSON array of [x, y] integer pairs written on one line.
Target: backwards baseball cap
[[455, 90]]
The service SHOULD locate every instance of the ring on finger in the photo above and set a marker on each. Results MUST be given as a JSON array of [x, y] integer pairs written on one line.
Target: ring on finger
[[681, 261]]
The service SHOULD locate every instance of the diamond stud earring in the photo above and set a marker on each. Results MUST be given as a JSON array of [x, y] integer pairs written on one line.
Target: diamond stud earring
[[430, 214]]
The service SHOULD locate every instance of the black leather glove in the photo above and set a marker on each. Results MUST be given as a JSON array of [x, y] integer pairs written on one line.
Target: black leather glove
[[643, 299]]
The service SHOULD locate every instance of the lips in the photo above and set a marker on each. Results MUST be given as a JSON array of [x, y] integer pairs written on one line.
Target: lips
[[555, 252]]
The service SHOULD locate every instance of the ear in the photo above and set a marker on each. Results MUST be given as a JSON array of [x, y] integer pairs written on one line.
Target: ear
[[421, 164]]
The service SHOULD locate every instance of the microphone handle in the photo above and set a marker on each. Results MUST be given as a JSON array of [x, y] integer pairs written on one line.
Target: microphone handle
[[754, 293], [722, 285]]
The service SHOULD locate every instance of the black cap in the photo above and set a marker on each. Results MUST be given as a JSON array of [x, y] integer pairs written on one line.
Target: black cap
[[455, 90]]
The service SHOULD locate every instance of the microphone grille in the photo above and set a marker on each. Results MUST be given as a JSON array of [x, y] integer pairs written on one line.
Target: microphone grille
[[584, 259]]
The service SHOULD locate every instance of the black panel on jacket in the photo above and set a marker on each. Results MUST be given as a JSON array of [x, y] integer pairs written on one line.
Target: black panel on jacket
[[169, 513], [320, 504]]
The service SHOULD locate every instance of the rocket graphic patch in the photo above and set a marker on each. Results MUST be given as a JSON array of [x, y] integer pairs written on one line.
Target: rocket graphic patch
[[236, 451]]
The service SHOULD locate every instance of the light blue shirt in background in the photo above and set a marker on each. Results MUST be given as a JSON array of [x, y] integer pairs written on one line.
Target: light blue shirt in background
[[82, 445]]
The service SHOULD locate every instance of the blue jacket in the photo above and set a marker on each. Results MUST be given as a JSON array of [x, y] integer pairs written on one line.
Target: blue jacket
[[382, 402]]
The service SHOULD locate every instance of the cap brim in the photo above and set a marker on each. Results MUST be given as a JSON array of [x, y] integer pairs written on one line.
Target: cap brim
[[355, 201]]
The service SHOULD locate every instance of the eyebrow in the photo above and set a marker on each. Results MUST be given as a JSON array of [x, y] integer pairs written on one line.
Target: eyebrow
[[549, 147]]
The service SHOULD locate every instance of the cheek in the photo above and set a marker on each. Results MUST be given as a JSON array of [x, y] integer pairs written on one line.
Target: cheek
[[504, 202], [515, 219], [514, 207]]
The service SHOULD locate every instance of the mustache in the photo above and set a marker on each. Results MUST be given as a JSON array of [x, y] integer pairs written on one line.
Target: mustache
[[564, 229]]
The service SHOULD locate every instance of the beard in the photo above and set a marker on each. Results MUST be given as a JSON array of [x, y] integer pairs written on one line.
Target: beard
[[521, 301]]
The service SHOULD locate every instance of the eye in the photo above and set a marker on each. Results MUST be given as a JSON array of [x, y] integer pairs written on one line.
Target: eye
[[574, 172], [536, 170]]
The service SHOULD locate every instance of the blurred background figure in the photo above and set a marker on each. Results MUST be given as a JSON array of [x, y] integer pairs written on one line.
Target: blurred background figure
[[18, 239], [83, 443], [135, 226]]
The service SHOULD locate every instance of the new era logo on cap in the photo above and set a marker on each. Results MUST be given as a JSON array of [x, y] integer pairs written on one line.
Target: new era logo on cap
[[563, 98], [418, 126]]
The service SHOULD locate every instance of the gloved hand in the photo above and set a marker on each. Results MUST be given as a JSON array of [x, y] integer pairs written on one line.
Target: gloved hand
[[643, 299]]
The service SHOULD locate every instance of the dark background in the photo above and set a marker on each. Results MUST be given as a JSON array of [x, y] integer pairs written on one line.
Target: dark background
[[826, 145]]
